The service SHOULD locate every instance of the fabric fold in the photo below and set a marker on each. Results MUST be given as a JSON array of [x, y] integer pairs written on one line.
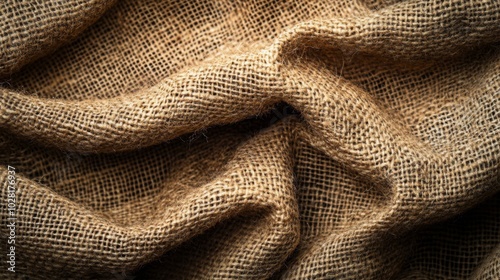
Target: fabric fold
[[250, 139]]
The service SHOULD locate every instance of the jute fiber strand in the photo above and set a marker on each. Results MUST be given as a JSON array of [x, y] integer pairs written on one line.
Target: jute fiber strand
[[244, 139]]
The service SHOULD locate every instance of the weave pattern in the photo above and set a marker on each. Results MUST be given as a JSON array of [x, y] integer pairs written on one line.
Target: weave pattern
[[223, 139]]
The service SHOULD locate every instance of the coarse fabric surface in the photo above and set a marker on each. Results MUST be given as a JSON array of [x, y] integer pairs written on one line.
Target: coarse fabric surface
[[246, 139]]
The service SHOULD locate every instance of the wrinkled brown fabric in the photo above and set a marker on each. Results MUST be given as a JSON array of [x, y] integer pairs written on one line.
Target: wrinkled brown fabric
[[251, 139]]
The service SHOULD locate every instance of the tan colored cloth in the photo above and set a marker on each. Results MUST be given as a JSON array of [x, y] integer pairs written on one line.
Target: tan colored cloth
[[234, 139]]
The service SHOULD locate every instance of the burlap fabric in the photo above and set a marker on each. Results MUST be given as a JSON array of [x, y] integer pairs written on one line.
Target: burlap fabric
[[227, 139]]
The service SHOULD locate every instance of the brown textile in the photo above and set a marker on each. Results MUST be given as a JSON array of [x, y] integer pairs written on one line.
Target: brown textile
[[233, 139]]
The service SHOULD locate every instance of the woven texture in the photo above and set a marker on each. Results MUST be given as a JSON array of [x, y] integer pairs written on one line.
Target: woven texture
[[234, 139]]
